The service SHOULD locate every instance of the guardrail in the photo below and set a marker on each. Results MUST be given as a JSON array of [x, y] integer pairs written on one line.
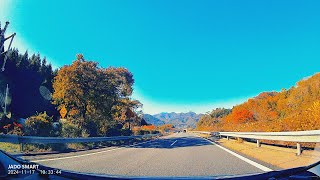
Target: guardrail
[[206, 132], [292, 136], [53, 140]]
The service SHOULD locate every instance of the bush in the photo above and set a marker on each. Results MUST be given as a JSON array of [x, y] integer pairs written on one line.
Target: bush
[[143, 132], [70, 130], [126, 132], [17, 129], [117, 130], [39, 125]]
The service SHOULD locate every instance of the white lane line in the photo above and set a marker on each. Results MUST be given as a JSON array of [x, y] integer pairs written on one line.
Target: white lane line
[[257, 165], [89, 154], [173, 142]]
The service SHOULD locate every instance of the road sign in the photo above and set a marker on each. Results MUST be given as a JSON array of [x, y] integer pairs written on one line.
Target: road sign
[[63, 112]]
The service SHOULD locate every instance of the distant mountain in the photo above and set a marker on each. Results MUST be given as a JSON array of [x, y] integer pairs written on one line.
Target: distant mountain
[[179, 120], [153, 120]]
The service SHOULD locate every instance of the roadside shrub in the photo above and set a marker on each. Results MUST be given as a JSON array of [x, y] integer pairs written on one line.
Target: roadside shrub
[[143, 132], [117, 130], [58, 147], [39, 125], [126, 132], [17, 129], [70, 130], [76, 146]]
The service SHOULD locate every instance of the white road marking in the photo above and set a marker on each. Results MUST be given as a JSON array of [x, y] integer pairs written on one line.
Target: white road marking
[[257, 165], [174, 142], [89, 154]]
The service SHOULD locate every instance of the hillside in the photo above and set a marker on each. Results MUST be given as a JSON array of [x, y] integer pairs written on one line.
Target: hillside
[[295, 109], [179, 120], [153, 120]]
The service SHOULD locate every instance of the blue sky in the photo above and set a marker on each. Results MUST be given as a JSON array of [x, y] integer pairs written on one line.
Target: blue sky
[[185, 55]]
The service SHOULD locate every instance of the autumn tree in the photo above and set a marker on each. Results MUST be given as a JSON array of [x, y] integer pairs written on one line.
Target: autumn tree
[[212, 120], [295, 109], [165, 128], [94, 97]]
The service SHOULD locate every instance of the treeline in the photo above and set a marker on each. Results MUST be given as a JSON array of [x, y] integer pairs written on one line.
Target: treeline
[[295, 109], [25, 77], [152, 129], [91, 100]]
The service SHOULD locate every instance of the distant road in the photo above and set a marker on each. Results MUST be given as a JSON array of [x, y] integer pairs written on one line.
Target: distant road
[[180, 154]]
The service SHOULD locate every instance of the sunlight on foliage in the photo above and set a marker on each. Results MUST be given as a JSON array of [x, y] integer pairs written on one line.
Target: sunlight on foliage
[[296, 109]]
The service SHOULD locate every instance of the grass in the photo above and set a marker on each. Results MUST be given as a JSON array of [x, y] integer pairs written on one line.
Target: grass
[[10, 147], [280, 157]]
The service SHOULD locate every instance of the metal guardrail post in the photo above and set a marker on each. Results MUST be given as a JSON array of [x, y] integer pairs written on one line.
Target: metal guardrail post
[[21, 147], [310, 136], [299, 149]]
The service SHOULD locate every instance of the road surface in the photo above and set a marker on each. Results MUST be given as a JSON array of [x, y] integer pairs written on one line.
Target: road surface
[[180, 154]]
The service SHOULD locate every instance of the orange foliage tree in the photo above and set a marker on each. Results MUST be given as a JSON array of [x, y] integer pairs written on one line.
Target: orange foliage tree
[[288, 110], [95, 98]]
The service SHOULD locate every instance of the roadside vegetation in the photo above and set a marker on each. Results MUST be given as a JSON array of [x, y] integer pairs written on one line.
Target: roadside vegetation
[[82, 99], [295, 109], [152, 129]]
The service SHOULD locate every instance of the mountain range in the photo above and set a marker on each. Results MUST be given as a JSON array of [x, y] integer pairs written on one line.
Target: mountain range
[[179, 120]]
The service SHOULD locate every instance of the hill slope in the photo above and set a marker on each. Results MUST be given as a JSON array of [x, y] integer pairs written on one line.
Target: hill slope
[[179, 120], [153, 120], [295, 109]]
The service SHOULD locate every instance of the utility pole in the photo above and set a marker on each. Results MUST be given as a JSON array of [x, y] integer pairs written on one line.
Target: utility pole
[[3, 60], [3, 39], [6, 100]]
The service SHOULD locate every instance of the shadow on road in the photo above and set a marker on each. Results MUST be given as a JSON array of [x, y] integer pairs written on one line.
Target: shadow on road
[[170, 143], [54, 152]]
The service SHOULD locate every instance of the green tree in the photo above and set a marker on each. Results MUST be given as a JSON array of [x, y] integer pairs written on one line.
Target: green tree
[[25, 75]]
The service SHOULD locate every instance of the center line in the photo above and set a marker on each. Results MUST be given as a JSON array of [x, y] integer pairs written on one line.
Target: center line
[[174, 142]]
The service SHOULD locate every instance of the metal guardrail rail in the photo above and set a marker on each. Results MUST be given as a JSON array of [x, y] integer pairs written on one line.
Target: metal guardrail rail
[[53, 140], [312, 136], [204, 132], [293, 136]]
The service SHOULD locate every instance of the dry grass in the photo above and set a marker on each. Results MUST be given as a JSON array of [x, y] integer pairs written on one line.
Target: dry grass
[[277, 156], [10, 147]]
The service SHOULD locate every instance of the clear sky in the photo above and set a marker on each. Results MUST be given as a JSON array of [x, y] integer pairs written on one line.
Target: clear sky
[[185, 55]]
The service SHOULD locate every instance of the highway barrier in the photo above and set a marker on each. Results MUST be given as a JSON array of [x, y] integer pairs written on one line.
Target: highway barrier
[[52, 140], [298, 137]]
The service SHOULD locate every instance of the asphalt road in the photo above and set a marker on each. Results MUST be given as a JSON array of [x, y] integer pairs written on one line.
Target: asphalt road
[[180, 154]]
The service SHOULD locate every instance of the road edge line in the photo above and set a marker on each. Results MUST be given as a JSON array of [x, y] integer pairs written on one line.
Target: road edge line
[[255, 164], [89, 154]]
